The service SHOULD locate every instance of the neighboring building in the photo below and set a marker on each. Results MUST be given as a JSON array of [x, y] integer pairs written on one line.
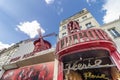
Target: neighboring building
[[84, 51], [113, 30], [5, 55]]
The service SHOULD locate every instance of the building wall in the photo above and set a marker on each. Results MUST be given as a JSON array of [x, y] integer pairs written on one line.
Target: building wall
[[84, 17], [116, 26], [24, 50], [1, 71], [25, 55], [5, 56]]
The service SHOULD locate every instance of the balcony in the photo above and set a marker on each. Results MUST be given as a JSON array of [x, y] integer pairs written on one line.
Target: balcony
[[84, 40]]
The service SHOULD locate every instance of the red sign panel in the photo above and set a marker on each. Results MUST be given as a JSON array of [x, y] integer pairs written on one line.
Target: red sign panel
[[35, 72]]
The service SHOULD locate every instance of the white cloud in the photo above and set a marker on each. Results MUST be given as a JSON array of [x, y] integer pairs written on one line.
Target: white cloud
[[90, 2], [49, 1], [2, 45], [112, 8], [59, 7], [30, 28], [60, 10]]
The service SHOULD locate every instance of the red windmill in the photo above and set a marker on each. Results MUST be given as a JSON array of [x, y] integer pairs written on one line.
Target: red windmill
[[39, 43]]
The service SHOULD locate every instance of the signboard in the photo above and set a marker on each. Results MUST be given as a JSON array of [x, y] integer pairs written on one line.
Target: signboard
[[88, 63], [35, 72]]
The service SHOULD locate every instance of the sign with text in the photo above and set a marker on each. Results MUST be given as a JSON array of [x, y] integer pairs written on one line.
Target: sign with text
[[88, 63], [100, 76]]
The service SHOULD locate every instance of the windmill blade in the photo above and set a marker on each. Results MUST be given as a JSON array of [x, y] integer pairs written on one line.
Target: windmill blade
[[33, 39], [29, 40], [51, 34]]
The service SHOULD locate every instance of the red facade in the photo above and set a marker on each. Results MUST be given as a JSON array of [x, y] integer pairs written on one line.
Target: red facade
[[82, 52]]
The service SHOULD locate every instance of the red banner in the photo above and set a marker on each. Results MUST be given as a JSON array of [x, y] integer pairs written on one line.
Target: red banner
[[35, 72]]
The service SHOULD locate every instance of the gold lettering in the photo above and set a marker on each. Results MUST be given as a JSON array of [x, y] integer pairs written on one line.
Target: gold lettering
[[87, 75], [90, 75]]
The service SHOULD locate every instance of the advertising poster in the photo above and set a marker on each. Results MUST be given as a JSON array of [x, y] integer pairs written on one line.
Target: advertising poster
[[42, 71]]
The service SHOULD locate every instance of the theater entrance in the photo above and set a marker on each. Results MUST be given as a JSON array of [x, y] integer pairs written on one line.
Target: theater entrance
[[89, 65]]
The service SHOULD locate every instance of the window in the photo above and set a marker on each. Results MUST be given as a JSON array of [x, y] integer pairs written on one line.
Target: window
[[84, 17], [114, 32], [64, 27], [63, 34], [80, 27], [77, 20], [89, 25]]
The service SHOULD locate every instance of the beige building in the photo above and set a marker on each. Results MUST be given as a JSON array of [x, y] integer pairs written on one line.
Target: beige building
[[5, 55], [72, 37], [113, 29], [84, 18], [87, 21]]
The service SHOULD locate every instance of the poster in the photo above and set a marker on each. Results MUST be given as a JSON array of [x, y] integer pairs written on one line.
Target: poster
[[34, 72]]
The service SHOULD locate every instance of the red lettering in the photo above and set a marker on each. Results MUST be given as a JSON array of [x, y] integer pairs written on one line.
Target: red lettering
[[73, 26], [28, 55], [15, 59]]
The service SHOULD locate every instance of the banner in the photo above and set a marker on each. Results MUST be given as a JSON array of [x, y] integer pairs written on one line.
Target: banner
[[34, 72]]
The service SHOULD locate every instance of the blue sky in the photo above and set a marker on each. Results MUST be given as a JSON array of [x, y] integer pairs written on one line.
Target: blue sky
[[20, 19]]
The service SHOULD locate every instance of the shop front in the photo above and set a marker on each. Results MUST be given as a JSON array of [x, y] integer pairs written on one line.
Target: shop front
[[84, 66], [87, 55], [94, 64]]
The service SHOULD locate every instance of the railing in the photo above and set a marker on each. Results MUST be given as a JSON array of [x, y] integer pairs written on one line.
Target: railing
[[82, 36]]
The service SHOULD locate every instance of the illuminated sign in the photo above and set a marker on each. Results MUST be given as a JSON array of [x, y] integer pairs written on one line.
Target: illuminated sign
[[90, 75], [84, 36], [87, 64]]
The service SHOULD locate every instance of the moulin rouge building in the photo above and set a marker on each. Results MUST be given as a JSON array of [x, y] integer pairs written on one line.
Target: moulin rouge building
[[83, 52]]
